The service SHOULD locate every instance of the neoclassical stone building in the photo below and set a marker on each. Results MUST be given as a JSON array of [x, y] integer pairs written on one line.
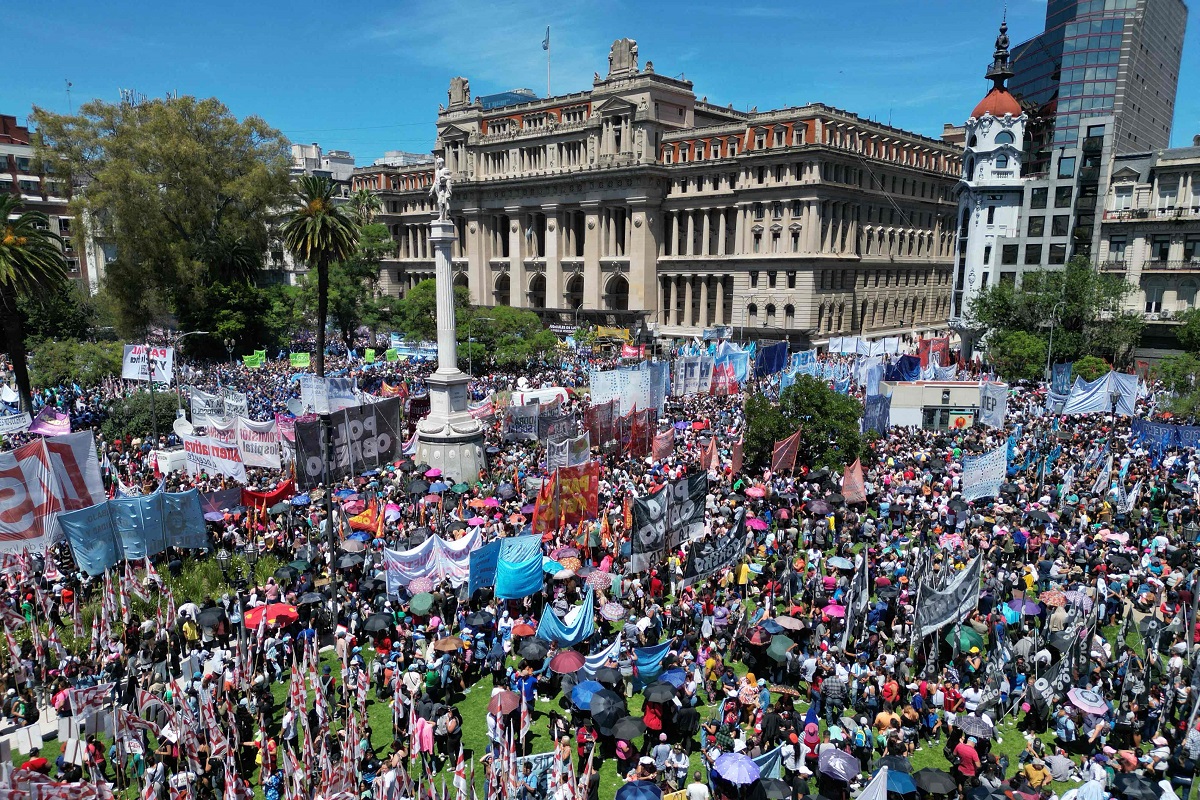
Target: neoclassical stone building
[[636, 200]]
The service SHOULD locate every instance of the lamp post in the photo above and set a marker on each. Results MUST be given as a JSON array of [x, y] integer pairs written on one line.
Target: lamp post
[[178, 395], [1050, 346], [229, 345], [234, 577], [470, 339]]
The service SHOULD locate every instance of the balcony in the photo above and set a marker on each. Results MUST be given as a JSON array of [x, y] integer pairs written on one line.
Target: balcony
[[1171, 266], [1114, 266]]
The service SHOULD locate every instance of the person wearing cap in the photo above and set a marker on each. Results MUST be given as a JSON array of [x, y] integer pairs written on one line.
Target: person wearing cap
[[968, 760], [677, 765]]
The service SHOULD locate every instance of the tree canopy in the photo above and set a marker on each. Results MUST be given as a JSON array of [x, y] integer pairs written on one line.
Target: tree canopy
[[183, 189], [1086, 308], [828, 421]]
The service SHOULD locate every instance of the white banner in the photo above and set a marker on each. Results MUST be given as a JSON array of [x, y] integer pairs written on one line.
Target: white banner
[[236, 403], [138, 357], [206, 406], [993, 403], [15, 423], [982, 475], [326, 395], [258, 443], [434, 558], [206, 454], [223, 430], [40, 479]]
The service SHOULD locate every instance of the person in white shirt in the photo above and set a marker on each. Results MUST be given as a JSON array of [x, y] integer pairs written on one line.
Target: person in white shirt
[[697, 789]]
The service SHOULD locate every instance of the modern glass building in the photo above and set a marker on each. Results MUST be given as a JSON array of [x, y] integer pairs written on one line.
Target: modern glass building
[[1099, 57]]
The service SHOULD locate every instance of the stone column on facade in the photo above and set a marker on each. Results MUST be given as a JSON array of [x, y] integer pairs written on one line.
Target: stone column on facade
[[673, 227], [516, 261], [813, 226], [477, 266], [688, 319], [704, 319], [720, 315], [679, 307], [721, 232], [690, 244], [664, 300], [554, 281], [591, 255], [705, 248], [739, 226], [641, 250]]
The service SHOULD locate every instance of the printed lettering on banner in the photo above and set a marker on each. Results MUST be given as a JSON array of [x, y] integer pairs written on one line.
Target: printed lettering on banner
[[15, 423], [139, 360], [982, 475], [237, 404], [993, 403], [936, 609], [667, 518], [209, 455], [722, 552], [41, 479], [364, 437], [258, 442], [206, 406]]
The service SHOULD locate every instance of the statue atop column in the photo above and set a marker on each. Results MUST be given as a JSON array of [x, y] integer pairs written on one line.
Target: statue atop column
[[441, 188]]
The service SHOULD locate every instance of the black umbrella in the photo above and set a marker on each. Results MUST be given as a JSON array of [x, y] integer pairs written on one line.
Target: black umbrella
[[286, 573], [836, 498], [478, 619], [606, 708], [972, 725], [349, 561], [378, 623], [608, 676], [958, 505], [417, 486], [457, 525], [369, 586], [934, 781], [986, 793], [1119, 562], [628, 728], [1009, 488], [895, 763], [1038, 515], [210, 617], [1135, 787], [534, 649], [309, 598], [659, 692], [775, 789]]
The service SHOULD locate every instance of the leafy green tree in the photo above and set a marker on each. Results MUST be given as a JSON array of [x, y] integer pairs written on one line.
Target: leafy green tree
[[365, 204], [181, 187], [1091, 367], [59, 362], [1017, 355], [318, 232], [504, 336], [61, 311], [1085, 307], [353, 282], [1188, 330], [31, 260], [1180, 373], [415, 314], [828, 421], [131, 415]]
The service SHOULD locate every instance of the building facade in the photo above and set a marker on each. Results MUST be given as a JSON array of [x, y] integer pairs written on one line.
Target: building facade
[[637, 202], [42, 193]]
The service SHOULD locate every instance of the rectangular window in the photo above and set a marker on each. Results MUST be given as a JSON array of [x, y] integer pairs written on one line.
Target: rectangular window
[[1058, 254], [1062, 196], [791, 279], [991, 218], [795, 246], [1116, 248], [754, 276], [1191, 248], [1037, 197], [1008, 254], [1167, 192], [1066, 167], [1059, 225], [777, 210], [759, 211], [1160, 248], [1037, 226], [772, 275], [1122, 198], [1033, 254], [1096, 130], [987, 255]]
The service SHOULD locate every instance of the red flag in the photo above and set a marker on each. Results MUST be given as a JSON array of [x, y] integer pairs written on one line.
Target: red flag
[[712, 459], [853, 487], [783, 457], [664, 445], [923, 352], [736, 456]]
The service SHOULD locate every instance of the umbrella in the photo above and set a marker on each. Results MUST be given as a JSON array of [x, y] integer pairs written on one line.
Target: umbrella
[[1080, 600], [210, 617], [431, 499], [629, 728], [308, 598], [607, 707], [612, 611], [967, 638], [214, 516], [418, 585], [1087, 701], [566, 662], [433, 473], [770, 626], [738, 769], [534, 649], [972, 725], [286, 573], [779, 648], [478, 619], [378, 623], [421, 603], [675, 677], [755, 491], [448, 644], [570, 562], [819, 507], [756, 524], [834, 610], [934, 781], [437, 487], [523, 630], [659, 692], [348, 561], [1135, 787], [417, 486], [300, 500], [460, 488], [900, 782], [582, 694], [504, 702], [1119, 562], [300, 564], [1053, 598], [790, 623], [839, 764], [639, 790], [776, 789], [354, 545], [281, 613], [1038, 515], [985, 793], [564, 551], [279, 508], [839, 562], [608, 676], [895, 764], [758, 637], [1027, 607], [491, 502], [478, 502], [473, 521], [599, 580]]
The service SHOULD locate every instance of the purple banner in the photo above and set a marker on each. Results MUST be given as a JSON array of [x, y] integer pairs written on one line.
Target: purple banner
[[51, 422]]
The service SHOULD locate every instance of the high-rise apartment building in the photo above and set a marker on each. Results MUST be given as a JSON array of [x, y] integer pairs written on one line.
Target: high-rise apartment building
[[1099, 58]]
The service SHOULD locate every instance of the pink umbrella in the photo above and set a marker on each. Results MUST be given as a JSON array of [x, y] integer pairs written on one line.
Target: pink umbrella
[[756, 524], [476, 521], [391, 512], [491, 502], [431, 498], [433, 473], [418, 585], [834, 610], [354, 507], [755, 491]]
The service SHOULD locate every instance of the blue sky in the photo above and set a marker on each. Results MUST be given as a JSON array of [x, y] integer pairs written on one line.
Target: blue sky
[[368, 77]]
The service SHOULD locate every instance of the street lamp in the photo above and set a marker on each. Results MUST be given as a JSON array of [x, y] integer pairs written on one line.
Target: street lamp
[[178, 339], [229, 345], [1050, 346]]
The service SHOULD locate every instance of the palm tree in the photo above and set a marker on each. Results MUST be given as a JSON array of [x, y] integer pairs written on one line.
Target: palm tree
[[318, 233], [364, 203], [31, 260]]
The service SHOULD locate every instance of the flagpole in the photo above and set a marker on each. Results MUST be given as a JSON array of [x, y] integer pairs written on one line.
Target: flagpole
[[546, 47]]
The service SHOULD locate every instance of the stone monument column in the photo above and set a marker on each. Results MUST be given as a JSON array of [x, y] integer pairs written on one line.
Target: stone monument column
[[449, 438]]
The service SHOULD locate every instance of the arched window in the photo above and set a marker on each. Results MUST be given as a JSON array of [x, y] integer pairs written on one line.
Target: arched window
[[968, 167], [789, 316], [770, 313], [537, 291], [574, 294], [502, 297], [1004, 137], [617, 295], [1001, 161], [972, 141]]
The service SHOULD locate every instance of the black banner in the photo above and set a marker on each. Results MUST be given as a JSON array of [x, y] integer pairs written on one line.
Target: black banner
[[364, 437], [952, 604], [556, 425], [667, 518], [710, 555], [521, 423]]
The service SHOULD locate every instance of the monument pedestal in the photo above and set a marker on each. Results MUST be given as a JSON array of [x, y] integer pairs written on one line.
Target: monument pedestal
[[449, 439]]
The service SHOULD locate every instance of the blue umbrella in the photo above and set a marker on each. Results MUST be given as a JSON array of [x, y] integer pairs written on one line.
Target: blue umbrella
[[771, 626], [737, 769], [550, 566], [342, 494], [581, 695], [300, 500], [639, 790], [899, 782], [361, 536], [437, 487], [675, 677]]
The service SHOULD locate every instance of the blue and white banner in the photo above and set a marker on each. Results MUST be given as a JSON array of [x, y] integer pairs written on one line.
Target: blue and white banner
[[1092, 397], [877, 413], [982, 475]]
